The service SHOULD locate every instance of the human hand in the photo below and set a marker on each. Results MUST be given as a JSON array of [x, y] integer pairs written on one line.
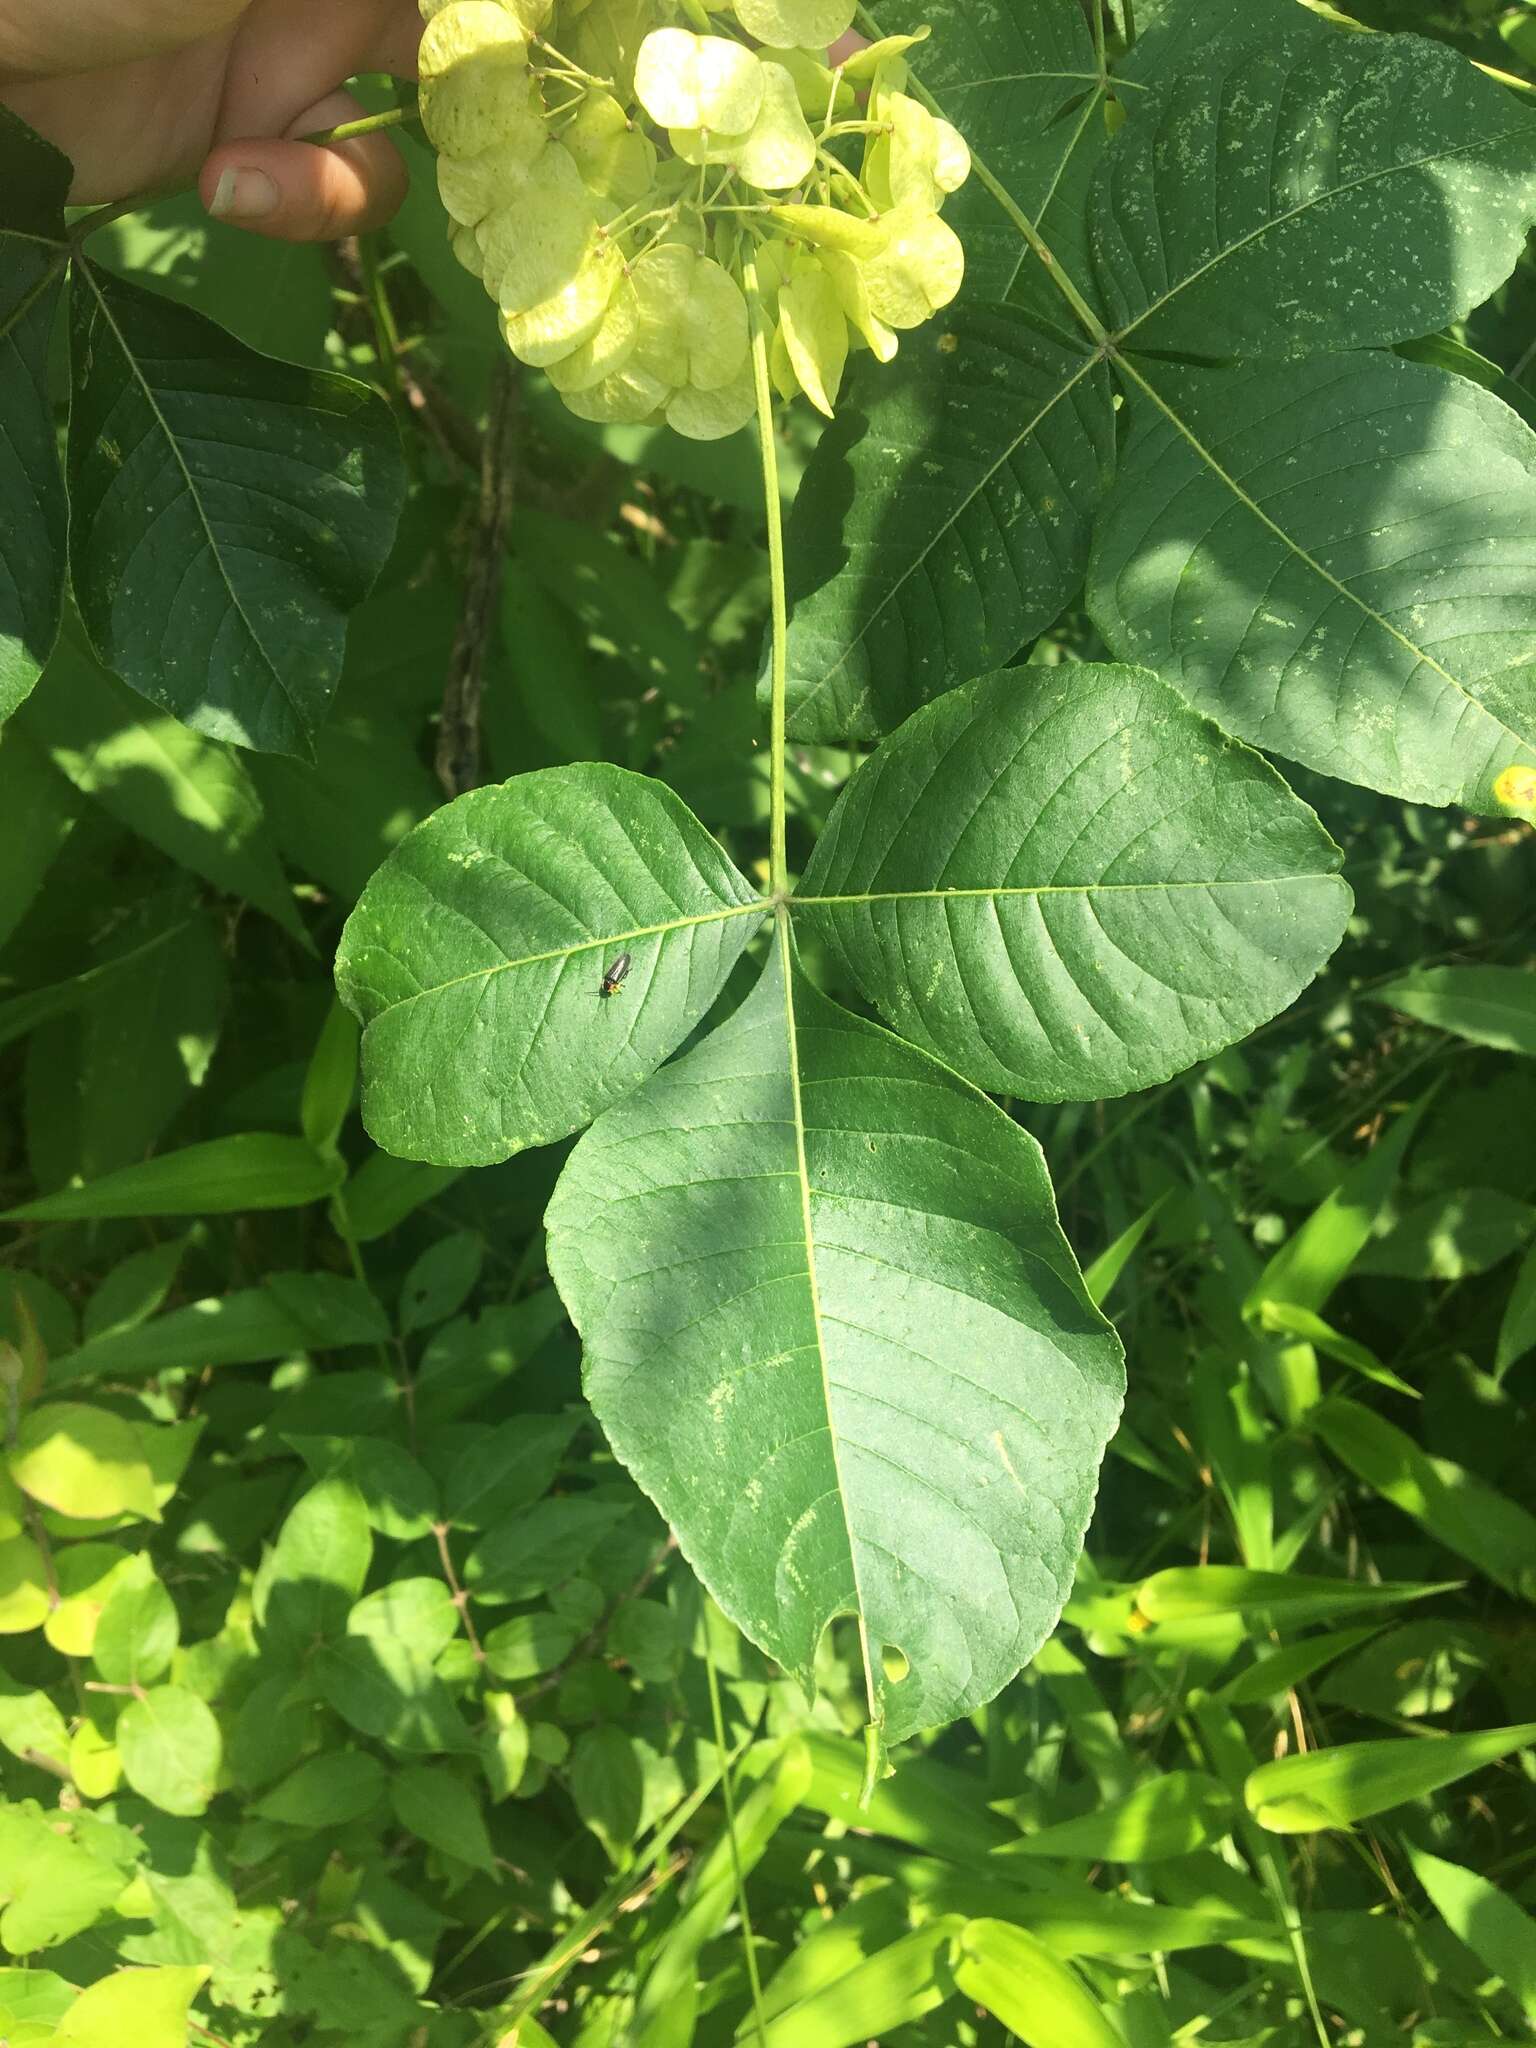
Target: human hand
[[144, 95]]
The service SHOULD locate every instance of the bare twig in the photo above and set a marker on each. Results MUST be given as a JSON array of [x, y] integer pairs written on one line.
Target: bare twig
[[458, 738]]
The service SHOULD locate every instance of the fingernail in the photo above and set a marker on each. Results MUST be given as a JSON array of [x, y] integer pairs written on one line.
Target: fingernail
[[243, 195]]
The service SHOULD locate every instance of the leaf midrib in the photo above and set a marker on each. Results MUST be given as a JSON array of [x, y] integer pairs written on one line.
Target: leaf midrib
[[803, 1179], [1066, 889], [758, 908], [193, 493]]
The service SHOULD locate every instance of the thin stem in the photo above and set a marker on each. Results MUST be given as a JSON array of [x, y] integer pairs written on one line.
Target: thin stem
[[456, 1591], [1128, 20], [368, 124], [1096, 24], [728, 1796], [778, 864], [386, 335]]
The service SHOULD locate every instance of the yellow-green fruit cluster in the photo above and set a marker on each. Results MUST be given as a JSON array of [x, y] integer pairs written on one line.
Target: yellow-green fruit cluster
[[615, 179]]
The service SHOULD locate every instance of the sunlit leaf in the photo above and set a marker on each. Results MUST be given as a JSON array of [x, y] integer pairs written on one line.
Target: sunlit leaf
[[476, 957], [1067, 884], [836, 1415]]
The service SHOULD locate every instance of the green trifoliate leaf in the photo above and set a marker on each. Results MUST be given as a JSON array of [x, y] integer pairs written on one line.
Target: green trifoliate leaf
[[34, 255], [471, 66], [226, 512], [1068, 884], [1334, 559], [839, 1414], [475, 959], [1338, 191], [797, 24], [971, 466], [688, 81]]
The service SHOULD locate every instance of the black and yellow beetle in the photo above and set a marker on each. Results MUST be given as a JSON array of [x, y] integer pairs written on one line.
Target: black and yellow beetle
[[613, 975]]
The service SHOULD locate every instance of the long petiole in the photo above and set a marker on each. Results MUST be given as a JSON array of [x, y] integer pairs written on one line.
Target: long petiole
[[778, 659]]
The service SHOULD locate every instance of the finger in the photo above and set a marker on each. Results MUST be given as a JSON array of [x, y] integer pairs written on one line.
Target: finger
[[399, 40], [293, 191]]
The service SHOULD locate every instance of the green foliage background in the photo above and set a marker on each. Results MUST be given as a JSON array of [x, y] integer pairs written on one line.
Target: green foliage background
[[352, 1690]]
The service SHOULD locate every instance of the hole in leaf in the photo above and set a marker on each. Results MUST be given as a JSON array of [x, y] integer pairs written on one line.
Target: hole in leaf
[[894, 1663]]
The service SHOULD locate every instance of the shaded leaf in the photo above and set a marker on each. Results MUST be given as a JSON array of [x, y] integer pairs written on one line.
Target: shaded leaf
[[1335, 560], [1497, 1931], [1334, 192], [943, 519], [1459, 1509], [34, 255], [441, 1810], [256, 1170], [537, 1548], [292, 1312], [389, 1691], [227, 511], [310, 1577], [324, 1792], [185, 794]]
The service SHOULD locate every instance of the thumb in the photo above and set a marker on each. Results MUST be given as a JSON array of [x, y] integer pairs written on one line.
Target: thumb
[[295, 191]]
